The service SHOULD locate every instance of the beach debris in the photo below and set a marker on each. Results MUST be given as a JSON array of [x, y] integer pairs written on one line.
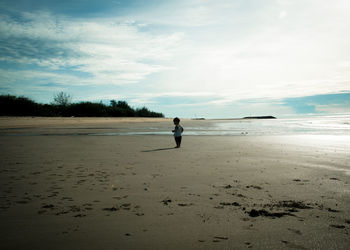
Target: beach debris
[[292, 204], [236, 204], [263, 212], [289, 206], [112, 209], [332, 210]]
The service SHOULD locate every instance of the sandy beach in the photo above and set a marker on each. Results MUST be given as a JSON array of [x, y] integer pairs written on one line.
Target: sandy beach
[[63, 188]]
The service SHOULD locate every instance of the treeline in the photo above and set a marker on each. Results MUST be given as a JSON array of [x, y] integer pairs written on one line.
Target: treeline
[[22, 106]]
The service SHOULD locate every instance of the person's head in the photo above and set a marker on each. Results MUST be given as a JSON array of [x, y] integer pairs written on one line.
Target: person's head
[[176, 120]]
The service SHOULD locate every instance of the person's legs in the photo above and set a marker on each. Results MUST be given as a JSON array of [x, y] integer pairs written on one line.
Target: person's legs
[[177, 144], [180, 138], [178, 141]]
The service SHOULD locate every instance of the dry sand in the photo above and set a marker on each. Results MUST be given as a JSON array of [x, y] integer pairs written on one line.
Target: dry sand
[[65, 191]]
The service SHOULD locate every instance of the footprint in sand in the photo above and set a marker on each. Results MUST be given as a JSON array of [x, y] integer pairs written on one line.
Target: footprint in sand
[[48, 206], [185, 204], [337, 226], [166, 201], [79, 215], [248, 244], [67, 199], [292, 245], [22, 202], [88, 206], [295, 231], [332, 210], [236, 204], [219, 238], [111, 209], [254, 186], [126, 206]]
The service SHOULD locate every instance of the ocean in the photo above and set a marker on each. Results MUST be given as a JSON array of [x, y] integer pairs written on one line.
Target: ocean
[[321, 125], [335, 125]]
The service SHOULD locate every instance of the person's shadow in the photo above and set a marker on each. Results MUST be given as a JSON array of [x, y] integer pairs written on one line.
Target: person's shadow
[[158, 149]]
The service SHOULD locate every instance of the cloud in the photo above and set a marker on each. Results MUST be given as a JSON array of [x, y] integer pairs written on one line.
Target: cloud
[[283, 14], [111, 51], [40, 77], [257, 55]]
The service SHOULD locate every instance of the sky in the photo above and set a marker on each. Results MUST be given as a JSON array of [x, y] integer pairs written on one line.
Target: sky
[[186, 58]]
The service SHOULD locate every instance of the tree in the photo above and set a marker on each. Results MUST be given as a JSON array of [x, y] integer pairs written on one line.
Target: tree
[[61, 106], [123, 105], [62, 99], [113, 103]]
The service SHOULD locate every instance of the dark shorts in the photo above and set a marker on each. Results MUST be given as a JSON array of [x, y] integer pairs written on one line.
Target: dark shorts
[[178, 139]]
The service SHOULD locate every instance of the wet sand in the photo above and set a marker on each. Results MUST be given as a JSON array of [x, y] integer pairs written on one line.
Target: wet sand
[[137, 192]]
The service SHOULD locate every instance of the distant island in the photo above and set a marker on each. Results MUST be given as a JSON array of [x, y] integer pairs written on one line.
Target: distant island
[[260, 117]]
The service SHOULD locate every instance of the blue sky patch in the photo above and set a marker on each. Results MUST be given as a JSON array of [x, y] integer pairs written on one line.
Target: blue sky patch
[[307, 104]]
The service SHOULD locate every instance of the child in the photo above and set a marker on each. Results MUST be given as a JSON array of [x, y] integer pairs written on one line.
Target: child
[[177, 132]]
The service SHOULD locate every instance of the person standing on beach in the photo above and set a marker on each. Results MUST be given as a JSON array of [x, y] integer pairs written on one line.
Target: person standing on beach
[[177, 131]]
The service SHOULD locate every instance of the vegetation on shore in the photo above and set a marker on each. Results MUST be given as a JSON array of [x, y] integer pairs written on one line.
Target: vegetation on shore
[[62, 106]]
